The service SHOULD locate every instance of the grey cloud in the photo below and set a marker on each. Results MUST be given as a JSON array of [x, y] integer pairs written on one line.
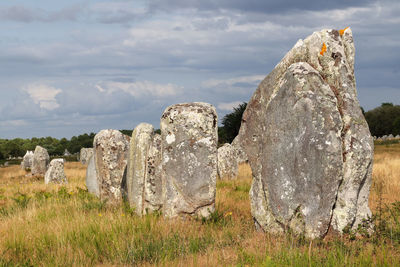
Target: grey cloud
[[27, 15], [257, 6]]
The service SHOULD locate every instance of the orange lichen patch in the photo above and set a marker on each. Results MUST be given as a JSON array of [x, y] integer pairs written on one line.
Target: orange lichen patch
[[341, 32], [323, 49]]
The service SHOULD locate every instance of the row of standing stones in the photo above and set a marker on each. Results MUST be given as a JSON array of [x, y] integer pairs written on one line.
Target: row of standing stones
[[175, 172], [387, 137], [303, 134], [39, 164]]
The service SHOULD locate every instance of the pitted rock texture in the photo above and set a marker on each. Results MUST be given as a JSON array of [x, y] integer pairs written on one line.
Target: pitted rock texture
[[189, 159], [111, 150], [91, 178], [154, 185], [27, 160], [241, 156], [55, 172], [143, 179], [227, 162], [40, 161], [85, 155], [308, 143]]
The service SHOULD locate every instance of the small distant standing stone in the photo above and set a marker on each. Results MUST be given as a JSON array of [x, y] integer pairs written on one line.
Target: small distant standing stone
[[26, 162], [66, 153], [55, 173], [40, 161], [85, 155], [189, 159], [227, 162], [91, 178]]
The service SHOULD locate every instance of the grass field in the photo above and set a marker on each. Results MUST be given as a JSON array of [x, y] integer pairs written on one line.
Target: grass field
[[49, 225]]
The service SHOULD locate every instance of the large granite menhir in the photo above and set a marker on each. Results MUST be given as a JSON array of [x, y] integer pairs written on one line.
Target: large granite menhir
[[111, 150], [307, 141], [189, 159], [143, 177], [40, 161]]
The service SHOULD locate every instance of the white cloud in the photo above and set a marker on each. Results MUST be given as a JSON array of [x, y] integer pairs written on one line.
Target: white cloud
[[141, 88], [228, 106], [43, 94], [253, 79]]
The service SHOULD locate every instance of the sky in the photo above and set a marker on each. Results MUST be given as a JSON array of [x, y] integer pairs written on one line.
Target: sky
[[70, 67]]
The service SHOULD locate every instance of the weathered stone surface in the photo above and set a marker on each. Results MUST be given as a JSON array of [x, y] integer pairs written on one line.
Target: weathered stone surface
[[154, 184], [40, 161], [27, 160], [308, 143], [55, 172], [241, 156], [144, 187], [227, 162], [189, 159], [111, 150], [91, 178], [85, 154]]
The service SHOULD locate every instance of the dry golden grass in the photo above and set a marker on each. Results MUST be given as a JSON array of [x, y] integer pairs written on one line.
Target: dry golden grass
[[386, 175], [68, 227]]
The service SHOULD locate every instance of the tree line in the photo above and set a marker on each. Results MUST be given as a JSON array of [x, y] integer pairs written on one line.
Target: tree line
[[383, 120], [17, 147]]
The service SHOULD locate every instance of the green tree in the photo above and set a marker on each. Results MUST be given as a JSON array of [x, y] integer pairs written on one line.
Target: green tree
[[232, 121], [384, 120]]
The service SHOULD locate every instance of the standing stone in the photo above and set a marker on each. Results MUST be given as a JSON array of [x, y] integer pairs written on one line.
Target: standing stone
[[40, 161], [111, 150], [308, 143], [144, 187], [154, 184], [189, 159], [66, 153], [55, 172], [85, 154], [91, 178], [26, 162], [241, 156], [227, 162]]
